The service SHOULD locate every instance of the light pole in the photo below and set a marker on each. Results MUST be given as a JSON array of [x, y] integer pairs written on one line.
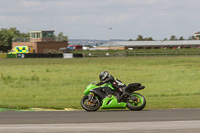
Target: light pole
[[109, 36]]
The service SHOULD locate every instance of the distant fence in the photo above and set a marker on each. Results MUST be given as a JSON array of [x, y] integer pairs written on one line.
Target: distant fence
[[43, 56], [164, 53], [129, 53], [142, 53], [32, 55], [106, 54]]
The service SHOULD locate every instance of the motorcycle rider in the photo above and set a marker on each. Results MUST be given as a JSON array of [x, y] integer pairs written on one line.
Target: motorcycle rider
[[105, 77]]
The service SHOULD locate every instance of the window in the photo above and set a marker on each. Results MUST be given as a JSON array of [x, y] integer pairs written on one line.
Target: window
[[35, 35], [38, 35], [140, 48], [148, 47], [44, 35], [50, 34], [47, 34], [156, 47], [32, 35]]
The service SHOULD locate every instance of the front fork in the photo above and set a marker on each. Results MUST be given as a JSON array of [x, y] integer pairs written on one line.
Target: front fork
[[90, 97]]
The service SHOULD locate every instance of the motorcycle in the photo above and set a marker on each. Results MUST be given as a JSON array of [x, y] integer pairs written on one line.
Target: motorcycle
[[95, 97]]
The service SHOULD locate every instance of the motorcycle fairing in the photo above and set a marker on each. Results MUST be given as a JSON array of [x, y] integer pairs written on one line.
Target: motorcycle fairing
[[112, 103]]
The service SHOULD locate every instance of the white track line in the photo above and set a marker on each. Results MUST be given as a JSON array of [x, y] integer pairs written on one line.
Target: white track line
[[100, 127]]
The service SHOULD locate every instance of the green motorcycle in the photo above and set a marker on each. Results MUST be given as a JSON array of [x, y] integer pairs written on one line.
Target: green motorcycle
[[95, 97]]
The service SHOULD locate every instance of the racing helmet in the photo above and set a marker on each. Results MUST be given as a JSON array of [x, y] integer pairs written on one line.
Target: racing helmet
[[103, 75]]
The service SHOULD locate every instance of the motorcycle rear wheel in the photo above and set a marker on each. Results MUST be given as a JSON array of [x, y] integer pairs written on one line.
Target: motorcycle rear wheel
[[137, 105], [90, 106]]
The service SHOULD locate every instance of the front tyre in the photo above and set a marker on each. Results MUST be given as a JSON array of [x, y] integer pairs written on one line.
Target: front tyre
[[138, 104], [90, 105]]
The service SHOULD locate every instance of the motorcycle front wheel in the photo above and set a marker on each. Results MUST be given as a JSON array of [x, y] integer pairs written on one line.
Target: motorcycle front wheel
[[137, 104], [92, 105]]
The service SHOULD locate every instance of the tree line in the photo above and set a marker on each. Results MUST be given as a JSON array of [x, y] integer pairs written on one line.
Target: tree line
[[172, 38]]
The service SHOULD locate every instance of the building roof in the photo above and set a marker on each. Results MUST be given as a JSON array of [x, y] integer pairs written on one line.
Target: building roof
[[151, 43], [41, 31]]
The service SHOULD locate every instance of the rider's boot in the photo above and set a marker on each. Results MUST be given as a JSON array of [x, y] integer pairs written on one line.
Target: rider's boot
[[124, 93], [119, 98]]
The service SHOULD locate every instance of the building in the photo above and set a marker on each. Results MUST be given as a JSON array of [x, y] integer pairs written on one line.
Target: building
[[150, 45], [41, 40], [122, 45]]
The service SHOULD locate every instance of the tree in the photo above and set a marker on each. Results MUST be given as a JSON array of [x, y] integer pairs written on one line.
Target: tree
[[140, 38], [173, 38], [165, 39], [148, 39], [62, 37], [6, 37], [181, 38]]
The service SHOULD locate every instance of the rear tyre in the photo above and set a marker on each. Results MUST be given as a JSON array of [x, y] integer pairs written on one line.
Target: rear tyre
[[92, 105], [138, 104]]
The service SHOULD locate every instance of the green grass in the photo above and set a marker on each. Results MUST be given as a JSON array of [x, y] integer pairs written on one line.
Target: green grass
[[171, 82]]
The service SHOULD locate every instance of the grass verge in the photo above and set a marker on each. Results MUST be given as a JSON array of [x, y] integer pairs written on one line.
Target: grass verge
[[171, 82]]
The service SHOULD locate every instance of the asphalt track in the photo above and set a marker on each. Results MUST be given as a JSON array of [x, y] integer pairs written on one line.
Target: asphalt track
[[153, 121]]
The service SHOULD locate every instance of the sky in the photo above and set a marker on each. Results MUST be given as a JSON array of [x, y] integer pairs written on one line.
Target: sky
[[104, 19]]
